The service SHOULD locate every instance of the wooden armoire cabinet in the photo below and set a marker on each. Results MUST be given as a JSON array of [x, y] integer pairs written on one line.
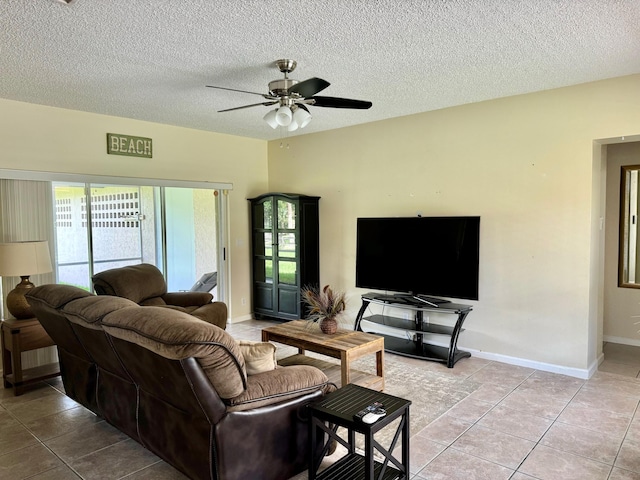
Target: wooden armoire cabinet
[[285, 240]]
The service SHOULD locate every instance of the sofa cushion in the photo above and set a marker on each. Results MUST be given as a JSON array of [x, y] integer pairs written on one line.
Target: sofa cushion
[[135, 282], [173, 307], [153, 302], [89, 311], [278, 385], [259, 357], [56, 296], [176, 335], [187, 299], [214, 313]]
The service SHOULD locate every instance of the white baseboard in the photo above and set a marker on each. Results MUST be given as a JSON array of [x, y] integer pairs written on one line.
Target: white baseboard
[[244, 318], [621, 340], [582, 373]]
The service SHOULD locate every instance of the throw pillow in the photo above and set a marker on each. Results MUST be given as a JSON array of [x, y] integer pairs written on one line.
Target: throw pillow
[[259, 357]]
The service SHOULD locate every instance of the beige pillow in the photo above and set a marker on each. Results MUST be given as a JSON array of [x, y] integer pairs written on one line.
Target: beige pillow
[[259, 357]]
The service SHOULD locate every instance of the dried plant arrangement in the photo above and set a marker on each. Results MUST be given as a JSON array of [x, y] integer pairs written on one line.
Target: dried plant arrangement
[[324, 306]]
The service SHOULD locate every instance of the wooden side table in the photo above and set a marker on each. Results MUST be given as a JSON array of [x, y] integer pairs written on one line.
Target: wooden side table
[[22, 336]]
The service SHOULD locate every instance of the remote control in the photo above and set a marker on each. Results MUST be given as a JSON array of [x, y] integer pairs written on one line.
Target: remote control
[[376, 406], [373, 416]]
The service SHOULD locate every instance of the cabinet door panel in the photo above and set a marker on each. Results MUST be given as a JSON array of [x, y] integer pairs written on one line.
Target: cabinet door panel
[[288, 301], [287, 245], [287, 272], [263, 214], [263, 298], [286, 215], [263, 243], [263, 270]]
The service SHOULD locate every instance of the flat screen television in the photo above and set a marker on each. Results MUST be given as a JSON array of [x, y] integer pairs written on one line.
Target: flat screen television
[[431, 256]]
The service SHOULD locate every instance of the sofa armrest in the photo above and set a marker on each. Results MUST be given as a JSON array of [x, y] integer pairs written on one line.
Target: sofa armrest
[[278, 385], [187, 299], [214, 313], [275, 435]]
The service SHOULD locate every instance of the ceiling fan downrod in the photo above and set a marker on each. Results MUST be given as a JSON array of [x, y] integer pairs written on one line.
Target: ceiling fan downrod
[[286, 66], [281, 86]]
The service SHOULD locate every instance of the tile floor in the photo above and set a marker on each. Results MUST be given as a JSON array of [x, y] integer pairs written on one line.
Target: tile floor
[[520, 424]]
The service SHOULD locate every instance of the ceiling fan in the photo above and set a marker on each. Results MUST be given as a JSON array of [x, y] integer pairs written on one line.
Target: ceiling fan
[[293, 97]]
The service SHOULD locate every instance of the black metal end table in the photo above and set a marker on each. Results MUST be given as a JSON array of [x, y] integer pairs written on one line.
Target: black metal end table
[[337, 410]]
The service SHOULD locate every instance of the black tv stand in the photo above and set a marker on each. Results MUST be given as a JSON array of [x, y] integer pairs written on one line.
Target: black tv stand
[[410, 299], [434, 300], [418, 347]]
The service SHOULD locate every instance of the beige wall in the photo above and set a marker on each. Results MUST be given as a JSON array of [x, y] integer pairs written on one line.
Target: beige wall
[[39, 138], [525, 164], [528, 165], [621, 305]]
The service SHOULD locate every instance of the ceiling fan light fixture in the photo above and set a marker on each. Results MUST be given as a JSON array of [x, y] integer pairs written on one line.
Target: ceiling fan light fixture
[[302, 117], [293, 126], [270, 118], [292, 98], [284, 116]]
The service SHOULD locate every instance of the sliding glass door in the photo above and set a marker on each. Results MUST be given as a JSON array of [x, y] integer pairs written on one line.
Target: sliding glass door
[[100, 226], [191, 237], [72, 241]]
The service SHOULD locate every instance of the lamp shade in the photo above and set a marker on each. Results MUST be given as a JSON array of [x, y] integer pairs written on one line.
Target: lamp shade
[[24, 258]]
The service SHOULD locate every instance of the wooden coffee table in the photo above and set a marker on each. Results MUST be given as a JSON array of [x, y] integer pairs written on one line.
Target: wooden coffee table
[[345, 345]]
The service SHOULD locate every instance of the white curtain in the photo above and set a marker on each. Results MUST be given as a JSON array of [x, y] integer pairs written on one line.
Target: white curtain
[[27, 214]]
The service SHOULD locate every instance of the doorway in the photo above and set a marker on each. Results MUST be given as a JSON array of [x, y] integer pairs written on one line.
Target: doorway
[[621, 305]]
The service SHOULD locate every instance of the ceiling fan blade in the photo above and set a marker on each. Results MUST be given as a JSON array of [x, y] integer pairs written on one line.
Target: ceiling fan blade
[[309, 87], [266, 104], [241, 91], [335, 102]]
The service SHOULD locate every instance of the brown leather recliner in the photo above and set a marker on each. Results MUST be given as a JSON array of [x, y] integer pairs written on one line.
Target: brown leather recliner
[[144, 284]]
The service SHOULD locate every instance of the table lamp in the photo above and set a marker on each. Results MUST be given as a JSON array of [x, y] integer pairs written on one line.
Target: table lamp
[[22, 259]]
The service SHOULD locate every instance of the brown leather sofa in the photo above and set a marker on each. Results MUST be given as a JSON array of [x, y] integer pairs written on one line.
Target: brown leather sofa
[[144, 284], [179, 386]]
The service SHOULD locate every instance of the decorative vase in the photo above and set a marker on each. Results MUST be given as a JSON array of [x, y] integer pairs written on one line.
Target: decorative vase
[[329, 326]]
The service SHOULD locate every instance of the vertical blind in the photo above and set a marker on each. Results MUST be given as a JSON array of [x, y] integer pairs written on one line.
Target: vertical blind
[[26, 214]]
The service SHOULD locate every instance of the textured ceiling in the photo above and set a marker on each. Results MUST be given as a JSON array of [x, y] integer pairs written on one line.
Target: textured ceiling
[[151, 59]]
